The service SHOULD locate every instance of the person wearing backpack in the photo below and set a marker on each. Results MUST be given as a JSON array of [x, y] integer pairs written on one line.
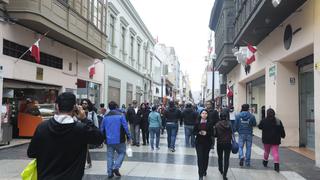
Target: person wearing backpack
[[272, 132], [244, 124], [224, 136]]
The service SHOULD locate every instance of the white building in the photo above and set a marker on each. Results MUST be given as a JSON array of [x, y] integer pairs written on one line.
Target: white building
[[130, 54]]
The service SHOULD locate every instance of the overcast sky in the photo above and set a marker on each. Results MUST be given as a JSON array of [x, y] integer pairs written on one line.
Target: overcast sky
[[182, 24]]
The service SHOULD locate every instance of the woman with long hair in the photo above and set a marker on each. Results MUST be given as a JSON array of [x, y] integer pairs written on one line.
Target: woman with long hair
[[143, 114], [272, 132], [203, 129], [224, 136], [91, 116]]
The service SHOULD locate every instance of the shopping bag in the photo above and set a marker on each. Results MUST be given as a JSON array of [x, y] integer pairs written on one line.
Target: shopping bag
[[235, 146], [30, 172], [129, 151]]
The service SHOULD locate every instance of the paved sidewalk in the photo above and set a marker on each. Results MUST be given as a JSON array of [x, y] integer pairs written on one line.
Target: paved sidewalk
[[182, 164], [15, 142]]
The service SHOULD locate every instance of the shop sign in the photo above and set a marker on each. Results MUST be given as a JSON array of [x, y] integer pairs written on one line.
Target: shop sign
[[39, 75], [272, 71]]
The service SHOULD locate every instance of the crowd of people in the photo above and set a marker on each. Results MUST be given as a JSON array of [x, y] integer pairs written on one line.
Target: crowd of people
[[61, 145]]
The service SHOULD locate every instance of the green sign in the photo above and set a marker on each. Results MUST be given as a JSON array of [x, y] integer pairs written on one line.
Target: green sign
[[272, 71]]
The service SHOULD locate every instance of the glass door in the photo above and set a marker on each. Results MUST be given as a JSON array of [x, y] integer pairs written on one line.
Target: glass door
[[306, 84]]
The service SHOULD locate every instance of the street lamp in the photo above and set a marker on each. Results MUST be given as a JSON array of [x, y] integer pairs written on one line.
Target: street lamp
[[213, 76]]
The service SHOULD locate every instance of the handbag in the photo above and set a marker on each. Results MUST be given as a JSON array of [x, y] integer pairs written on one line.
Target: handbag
[[30, 172], [234, 144]]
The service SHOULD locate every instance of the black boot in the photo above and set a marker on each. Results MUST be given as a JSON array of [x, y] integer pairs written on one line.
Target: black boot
[[265, 163], [276, 167]]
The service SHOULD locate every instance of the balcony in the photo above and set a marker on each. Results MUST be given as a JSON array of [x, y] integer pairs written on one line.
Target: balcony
[[255, 19], [64, 23], [221, 22]]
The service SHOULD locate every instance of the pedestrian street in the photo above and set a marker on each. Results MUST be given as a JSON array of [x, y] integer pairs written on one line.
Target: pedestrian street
[[158, 164]]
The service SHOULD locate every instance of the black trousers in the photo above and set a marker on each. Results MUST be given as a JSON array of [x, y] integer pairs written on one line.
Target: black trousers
[[145, 134], [203, 157], [223, 157]]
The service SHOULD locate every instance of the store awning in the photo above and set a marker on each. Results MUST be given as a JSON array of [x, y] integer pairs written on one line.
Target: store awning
[[14, 84]]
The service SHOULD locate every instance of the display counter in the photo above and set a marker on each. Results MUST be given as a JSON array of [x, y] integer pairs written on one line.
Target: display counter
[[27, 123]]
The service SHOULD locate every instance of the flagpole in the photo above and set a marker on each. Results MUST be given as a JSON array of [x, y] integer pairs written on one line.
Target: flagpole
[[42, 36]]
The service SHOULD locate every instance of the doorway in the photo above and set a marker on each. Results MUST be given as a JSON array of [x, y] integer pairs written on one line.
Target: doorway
[[306, 101]]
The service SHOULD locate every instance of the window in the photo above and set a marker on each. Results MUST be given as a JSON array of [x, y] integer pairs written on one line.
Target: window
[[70, 66], [131, 49], [95, 13], [111, 34], [138, 55], [123, 38], [146, 58], [16, 50]]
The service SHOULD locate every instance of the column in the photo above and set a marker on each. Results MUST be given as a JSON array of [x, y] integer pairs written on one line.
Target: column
[[317, 79]]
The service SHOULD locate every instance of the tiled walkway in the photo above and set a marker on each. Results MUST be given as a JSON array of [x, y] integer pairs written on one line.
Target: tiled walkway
[[163, 164]]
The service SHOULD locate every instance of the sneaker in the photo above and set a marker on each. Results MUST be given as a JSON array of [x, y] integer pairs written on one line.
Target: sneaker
[[248, 164], [111, 176], [173, 150], [157, 148], [241, 162], [205, 174], [88, 166], [152, 149], [116, 172]]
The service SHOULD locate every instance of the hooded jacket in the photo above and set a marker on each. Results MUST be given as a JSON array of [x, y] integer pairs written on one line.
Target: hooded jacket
[[189, 116], [60, 147], [223, 132], [245, 121]]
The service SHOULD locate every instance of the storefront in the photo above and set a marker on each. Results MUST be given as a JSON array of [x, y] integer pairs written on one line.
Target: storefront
[[255, 97], [88, 90], [27, 105], [306, 101]]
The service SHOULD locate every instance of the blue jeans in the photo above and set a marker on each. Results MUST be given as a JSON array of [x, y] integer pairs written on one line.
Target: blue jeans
[[188, 133], [154, 131], [245, 139], [115, 163], [172, 129]]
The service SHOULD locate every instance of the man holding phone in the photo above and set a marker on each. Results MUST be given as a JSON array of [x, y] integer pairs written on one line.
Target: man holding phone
[[60, 144]]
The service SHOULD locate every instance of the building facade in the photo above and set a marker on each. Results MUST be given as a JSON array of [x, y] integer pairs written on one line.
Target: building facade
[[75, 40], [128, 68], [285, 74]]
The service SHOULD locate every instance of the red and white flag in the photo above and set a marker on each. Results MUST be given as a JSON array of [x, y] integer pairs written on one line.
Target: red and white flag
[[229, 92], [35, 49], [251, 58], [92, 68]]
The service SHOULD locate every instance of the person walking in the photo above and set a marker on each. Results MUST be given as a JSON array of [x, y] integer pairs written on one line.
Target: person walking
[[245, 122], [60, 144], [115, 129], [232, 116], [155, 124], [213, 116], [224, 136], [143, 114], [161, 111], [172, 116], [134, 122], [92, 116], [203, 130], [189, 117], [272, 132]]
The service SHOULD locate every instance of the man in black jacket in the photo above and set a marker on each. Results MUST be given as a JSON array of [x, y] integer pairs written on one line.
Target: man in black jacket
[[172, 116], [60, 144], [134, 122], [189, 117]]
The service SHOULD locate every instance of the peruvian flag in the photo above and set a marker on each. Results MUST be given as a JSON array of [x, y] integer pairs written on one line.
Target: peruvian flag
[[35, 51], [92, 69], [229, 92], [252, 58]]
